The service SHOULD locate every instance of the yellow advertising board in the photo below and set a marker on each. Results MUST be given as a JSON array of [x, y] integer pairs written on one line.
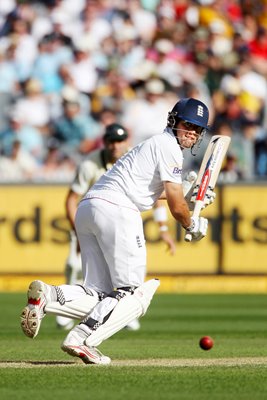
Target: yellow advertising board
[[190, 258], [34, 234], [33, 229], [244, 234]]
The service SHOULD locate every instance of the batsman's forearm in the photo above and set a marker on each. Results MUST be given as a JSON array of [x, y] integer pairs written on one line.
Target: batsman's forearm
[[182, 215], [71, 218], [184, 220]]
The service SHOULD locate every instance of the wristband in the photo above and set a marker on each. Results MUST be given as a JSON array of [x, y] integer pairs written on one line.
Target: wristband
[[160, 214], [163, 228]]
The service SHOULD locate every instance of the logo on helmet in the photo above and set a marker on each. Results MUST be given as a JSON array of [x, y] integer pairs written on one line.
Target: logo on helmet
[[200, 111]]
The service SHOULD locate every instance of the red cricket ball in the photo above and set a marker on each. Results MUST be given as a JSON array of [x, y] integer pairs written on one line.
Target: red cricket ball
[[206, 343]]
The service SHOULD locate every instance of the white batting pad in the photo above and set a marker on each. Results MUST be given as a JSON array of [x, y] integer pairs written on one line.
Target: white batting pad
[[128, 308], [76, 309]]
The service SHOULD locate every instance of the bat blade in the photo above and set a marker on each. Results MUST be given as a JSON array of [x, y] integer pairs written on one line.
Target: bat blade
[[209, 171]]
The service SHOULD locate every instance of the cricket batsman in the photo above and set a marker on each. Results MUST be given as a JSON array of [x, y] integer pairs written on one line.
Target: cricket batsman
[[116, 143], [109, 227]]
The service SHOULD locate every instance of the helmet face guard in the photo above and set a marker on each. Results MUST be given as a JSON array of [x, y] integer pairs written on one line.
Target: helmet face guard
[[191, 111]]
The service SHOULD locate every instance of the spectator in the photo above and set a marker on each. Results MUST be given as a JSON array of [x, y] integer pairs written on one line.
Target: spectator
[[230, 172], [150, 107], [94, 27], [107, 52], [113, 92], [130, 52], [33, 108], [77, 133], [25, 46], [82, 71], [52, 54], [9, 85], [261, 155], [57, 166], [18, 165], [30, 138]]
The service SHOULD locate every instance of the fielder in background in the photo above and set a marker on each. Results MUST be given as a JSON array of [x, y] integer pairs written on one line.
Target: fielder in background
[[109, 227], [116, 143]]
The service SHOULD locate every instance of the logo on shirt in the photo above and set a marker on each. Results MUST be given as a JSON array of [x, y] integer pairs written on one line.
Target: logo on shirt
[[138, 241], [177, 171]]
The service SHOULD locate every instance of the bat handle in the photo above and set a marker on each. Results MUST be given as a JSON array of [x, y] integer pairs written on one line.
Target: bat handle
[[196, 213], [188, 237]]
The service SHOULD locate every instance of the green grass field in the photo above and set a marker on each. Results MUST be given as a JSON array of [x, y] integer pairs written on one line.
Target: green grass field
[[161, 361]]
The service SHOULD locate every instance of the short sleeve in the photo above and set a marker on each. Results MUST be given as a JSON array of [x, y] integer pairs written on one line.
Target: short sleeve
[[170, 164], [83, 178]]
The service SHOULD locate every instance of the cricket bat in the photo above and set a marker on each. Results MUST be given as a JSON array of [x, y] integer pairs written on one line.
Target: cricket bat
[[209, 171]]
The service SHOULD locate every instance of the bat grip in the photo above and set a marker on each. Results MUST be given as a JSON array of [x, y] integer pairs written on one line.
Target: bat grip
[[188, 237], [196, 213]]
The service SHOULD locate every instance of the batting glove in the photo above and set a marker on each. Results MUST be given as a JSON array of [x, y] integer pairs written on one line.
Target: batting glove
[[198, 228], [188, 187], [208, 199], [188, 184]]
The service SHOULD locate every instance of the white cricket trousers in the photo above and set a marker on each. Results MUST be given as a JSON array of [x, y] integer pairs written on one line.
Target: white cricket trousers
[[112, 244]]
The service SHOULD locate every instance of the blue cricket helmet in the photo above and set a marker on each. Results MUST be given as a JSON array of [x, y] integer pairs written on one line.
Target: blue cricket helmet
[[190, 110]]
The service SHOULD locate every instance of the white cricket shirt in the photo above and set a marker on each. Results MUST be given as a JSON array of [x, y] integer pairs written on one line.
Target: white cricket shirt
[[137, 177]]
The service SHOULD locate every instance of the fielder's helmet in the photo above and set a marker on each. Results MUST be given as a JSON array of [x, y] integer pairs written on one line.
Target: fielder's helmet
[[115, 133], [190, 110]]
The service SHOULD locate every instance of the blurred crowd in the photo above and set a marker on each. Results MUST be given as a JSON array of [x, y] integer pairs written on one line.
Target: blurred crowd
[[69, 68]]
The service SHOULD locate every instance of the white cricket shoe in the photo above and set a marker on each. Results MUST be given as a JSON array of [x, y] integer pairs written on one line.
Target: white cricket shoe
[[74, 346], [133, 325], [32, 315]]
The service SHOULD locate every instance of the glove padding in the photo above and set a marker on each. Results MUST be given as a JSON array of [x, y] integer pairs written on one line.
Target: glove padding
[[188, 187], [188, 184], [208, 199], [198, 228]]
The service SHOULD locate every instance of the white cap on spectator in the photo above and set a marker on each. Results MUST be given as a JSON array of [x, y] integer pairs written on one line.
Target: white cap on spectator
[[85, 44], [230, 85], [154, 86], [59, 17], [126, 33], [205, 2], [33, 86], [221, 46], [167, 12], [217, 26], [144, 70], [254, 83], [164, 46], [70, 94], [41, 26]]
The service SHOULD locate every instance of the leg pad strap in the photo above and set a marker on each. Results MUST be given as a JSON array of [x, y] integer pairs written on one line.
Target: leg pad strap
[[127, 309]]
